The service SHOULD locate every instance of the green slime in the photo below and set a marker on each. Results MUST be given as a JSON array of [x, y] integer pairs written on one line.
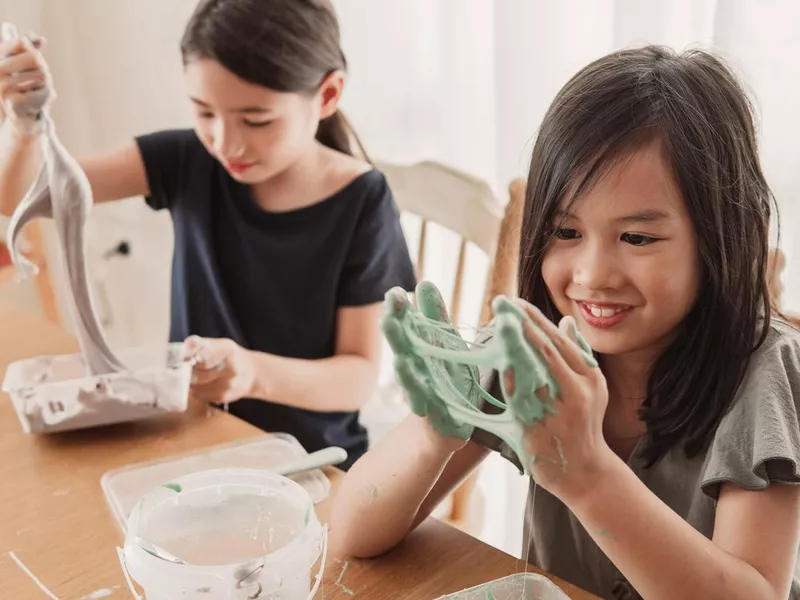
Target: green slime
[[439, 370]]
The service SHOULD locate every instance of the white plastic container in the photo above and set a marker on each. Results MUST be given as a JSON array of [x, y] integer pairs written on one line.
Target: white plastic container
[[239, 534], [54, 393], [124, 487], [521, 586]]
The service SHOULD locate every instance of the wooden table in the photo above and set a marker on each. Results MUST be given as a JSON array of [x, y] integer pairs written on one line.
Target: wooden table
[[54, 517]]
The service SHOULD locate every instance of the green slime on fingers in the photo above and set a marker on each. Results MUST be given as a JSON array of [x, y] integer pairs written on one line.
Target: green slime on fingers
[[439, 370]]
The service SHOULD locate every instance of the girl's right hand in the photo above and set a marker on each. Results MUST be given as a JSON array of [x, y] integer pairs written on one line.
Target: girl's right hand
[[23, 74], [412, 372]]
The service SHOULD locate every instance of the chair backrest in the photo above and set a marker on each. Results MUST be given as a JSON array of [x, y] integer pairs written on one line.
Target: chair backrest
[[503, 274], [461, 203]]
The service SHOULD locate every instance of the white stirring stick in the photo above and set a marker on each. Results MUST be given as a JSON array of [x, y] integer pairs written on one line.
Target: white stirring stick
[[321, 458]]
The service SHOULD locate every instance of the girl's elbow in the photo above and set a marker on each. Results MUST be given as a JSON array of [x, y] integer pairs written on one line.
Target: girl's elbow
[[348, 538], [357, 543]]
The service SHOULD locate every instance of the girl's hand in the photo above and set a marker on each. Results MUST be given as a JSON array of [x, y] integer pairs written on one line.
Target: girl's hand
[[412, 371], [567, 451], [223, 372], [25, 82]]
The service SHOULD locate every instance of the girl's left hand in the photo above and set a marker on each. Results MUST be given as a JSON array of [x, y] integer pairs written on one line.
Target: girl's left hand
[[567, 451], [223, 373]]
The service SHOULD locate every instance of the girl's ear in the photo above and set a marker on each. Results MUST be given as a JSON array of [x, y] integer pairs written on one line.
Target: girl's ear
[[330, 92]]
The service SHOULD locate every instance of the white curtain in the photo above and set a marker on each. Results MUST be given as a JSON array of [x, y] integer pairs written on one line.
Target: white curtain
[[468, 81]]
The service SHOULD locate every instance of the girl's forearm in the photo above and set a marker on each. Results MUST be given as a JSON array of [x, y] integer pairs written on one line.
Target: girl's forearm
[[378, 501], [659, 553], [20, 160], [339, 383]]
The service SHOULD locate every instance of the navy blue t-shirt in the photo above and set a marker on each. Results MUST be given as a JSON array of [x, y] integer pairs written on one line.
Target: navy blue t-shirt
[[273, 281]]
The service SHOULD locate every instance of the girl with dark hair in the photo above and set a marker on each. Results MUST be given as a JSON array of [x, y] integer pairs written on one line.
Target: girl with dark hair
[[285, 242], [674, 462]]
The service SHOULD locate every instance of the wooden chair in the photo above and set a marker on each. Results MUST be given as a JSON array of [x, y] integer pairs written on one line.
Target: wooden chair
[[453, 200], [466, 206]]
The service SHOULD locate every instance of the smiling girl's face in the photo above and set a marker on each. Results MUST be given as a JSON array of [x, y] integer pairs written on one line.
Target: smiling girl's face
[[624, 261]]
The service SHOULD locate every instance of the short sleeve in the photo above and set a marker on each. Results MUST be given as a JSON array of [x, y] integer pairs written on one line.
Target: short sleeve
[[166, 156], [758, 442], [378, 257]]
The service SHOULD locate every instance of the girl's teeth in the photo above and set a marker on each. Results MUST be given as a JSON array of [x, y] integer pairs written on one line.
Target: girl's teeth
[[603, 312]]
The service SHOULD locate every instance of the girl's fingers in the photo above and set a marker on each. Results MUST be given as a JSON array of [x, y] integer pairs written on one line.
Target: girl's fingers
[[416, 391], [570, 329], [570, 351], [36, 40], [395, 308], [210, 355], [527, 370], [396, 302], [203, 376], [11, 47], [558, 368], [395, 335], [27, 82], [430, 302], [19, 63], [213, 392]]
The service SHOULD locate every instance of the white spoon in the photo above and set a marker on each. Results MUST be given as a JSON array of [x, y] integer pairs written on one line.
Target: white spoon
[[332, 455]]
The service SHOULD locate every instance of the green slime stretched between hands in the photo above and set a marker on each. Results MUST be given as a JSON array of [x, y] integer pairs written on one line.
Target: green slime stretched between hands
[[439, 370]]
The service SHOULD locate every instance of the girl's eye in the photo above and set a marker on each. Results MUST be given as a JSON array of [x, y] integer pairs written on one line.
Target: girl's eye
[[206, 115], [564, 233], [257, 123], [637, 239]]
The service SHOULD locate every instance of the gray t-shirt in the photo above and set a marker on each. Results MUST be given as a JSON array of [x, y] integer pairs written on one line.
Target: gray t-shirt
[[756, 444]]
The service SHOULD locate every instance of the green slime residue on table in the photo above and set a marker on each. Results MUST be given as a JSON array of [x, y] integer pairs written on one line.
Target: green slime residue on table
[[175, 487]]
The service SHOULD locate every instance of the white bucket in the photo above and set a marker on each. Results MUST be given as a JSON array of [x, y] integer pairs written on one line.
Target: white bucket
[[240, 534]]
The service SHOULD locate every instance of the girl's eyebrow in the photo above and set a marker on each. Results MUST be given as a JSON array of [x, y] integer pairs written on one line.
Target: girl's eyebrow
[[246, 109], [645, 216], [562, 215]]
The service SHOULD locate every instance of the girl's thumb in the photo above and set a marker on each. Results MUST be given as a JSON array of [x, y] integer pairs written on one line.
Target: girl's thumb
[[568, 328]]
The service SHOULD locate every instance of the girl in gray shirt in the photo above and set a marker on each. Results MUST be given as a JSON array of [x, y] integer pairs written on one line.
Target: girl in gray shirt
[[669, 468]]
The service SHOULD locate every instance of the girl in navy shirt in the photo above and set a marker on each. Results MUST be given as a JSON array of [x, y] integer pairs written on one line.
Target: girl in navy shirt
[[285, 243]]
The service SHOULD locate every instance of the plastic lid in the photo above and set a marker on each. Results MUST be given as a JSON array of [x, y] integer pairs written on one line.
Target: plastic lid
[[124, 487], [521, 586]]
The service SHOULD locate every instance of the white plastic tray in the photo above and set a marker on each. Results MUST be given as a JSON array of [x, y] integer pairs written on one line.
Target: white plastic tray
[[521, 586], [54, 393], [124, 487]]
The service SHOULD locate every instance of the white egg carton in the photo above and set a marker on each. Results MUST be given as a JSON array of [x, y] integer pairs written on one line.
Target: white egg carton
[[54, 393]]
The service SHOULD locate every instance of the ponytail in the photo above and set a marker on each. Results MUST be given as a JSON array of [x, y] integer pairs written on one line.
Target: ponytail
[[337, 133]]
